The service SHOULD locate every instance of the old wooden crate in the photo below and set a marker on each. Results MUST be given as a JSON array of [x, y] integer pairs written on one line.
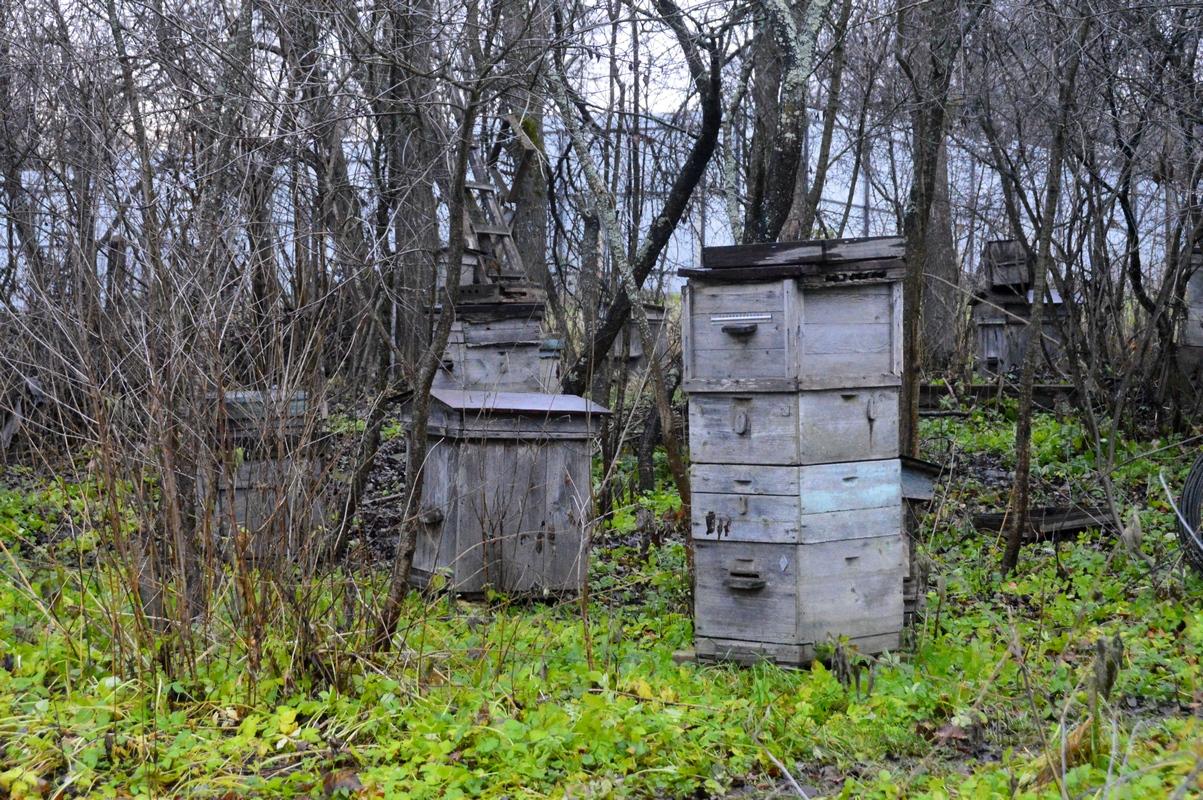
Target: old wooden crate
[[506, 492], [265, 488], [1006, 264], [1190, 331]]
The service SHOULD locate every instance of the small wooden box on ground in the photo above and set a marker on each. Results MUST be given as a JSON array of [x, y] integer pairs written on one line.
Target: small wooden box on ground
[[506, 492], [268, 482], [793, 358]]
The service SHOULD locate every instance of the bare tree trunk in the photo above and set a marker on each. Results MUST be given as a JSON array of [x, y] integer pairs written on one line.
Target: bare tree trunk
[[929, 39], [425, 373], [630, 286], [805, 210], [1021, 489], [705, 76], [943, 299], [770, 201]]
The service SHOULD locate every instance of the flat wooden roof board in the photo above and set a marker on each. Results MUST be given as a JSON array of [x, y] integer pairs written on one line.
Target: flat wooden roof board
[[516, 402], [817, 261]]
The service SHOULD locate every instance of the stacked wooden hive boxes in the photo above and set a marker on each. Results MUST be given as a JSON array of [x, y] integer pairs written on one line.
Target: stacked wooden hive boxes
[[1001, 309], [506, 486], [793, 358]]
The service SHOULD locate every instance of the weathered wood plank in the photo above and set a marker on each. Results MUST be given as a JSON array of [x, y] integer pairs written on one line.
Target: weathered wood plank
[[812, 252], [877, 271], [1049, 521], [777, 519], [746, 592], [850, 588], [821, 487], [707, 649]]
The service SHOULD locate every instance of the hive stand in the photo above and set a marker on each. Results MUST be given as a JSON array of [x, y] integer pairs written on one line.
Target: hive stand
[[793, 358]]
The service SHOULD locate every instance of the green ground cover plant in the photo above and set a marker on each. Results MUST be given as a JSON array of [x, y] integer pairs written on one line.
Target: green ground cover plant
[[1003, 692]]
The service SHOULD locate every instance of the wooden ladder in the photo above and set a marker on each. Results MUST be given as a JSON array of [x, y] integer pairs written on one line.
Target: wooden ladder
[[486, 221]]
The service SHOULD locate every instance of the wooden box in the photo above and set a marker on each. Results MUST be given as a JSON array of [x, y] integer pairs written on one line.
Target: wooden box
[[1190, 332], [1006, 264], [506, 492], [629, 344], [798, 596], [794, 428], [1001, 322], [267, 483], [276, 502], [782, 336], [796, 505], [501, 350]]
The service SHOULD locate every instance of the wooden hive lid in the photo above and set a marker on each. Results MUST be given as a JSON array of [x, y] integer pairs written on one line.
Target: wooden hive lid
[[874, 259], [526, 403]]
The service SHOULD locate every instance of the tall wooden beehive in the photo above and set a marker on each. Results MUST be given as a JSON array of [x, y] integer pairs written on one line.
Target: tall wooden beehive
[[1003, 306], [1190, 334], [793, 358], [506, 493]]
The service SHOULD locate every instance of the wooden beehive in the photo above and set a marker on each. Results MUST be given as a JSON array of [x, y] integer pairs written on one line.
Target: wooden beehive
[[1190, 333], [267, 480], [792, 359], [629, 343], [497, 342], [1007, 265], [1000, 319], [506, 492]]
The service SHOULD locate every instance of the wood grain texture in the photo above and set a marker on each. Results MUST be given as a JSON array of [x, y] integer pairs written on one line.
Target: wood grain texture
[[794, 429], [827, 502], [776, 336], [813, 253], [270, 500], [735, 651], [512, 511], [768, 614], [776, 519]]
